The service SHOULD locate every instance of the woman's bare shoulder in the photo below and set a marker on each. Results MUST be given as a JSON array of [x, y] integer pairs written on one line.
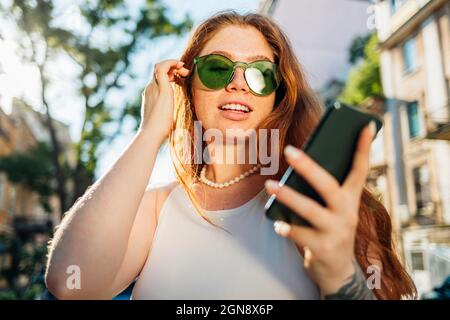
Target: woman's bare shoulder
[[159, 194], [161, 190]]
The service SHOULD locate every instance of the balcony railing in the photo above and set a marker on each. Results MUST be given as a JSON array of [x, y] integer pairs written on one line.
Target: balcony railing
[[438, 123]]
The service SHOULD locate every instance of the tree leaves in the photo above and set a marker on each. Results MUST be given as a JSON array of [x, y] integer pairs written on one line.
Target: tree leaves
[[32, 168], [122, 32], [364, 79]]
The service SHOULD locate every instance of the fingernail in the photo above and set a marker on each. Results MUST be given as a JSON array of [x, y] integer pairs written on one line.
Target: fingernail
[[292, 152], [282, 228], [373, 127], [272, 185]]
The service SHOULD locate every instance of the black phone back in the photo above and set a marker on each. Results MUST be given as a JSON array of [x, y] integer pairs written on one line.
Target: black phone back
[[332, 146]]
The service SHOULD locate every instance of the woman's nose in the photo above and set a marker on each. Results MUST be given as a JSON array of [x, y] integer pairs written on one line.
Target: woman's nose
[[238, 82]]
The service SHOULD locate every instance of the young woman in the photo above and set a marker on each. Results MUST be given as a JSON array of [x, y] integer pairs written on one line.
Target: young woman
[[206, 236]]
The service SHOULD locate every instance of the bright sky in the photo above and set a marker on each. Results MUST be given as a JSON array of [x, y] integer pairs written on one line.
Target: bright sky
[[19, 80]]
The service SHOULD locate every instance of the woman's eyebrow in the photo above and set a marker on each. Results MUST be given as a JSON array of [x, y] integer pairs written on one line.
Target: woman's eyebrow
[[230, 56]]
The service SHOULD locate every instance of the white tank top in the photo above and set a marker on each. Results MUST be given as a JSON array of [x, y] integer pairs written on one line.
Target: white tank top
[[192, 259]]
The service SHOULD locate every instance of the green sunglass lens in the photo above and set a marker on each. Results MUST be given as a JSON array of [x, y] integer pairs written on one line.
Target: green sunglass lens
[[214, 71], [261, 78]]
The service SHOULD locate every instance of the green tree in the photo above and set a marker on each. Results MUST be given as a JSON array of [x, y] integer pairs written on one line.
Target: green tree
[[33, 169], [103, 67], [356, 50], [25, 276], [364, 79]]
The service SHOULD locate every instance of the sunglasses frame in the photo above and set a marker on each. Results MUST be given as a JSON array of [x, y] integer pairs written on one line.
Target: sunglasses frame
[[244, 66]]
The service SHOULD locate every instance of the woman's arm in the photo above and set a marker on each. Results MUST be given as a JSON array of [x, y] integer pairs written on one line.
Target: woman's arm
[[354, 288], [94, 235]]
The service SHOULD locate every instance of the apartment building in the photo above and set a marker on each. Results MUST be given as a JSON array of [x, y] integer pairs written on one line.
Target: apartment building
[[410, 159], [414, 171]]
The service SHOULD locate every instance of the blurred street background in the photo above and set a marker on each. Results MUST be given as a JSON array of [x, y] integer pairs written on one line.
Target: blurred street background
[[72, 73]]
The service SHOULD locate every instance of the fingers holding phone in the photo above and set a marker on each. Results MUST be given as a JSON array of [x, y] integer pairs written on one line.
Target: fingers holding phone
[[316, 203], [335, 155], [329, 241]]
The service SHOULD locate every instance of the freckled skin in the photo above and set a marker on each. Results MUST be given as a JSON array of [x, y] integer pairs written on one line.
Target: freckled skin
[[241, 43]]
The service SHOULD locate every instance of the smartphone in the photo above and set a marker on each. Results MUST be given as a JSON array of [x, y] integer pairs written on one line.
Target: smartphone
[[331, 145]]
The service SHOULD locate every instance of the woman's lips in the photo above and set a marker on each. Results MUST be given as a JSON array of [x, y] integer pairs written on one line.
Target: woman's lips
[[235, 115]]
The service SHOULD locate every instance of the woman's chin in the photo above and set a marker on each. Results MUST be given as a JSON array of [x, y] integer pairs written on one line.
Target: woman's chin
[[229, 133]]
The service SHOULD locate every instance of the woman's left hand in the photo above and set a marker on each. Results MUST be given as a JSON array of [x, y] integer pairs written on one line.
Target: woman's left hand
[[328, 245]]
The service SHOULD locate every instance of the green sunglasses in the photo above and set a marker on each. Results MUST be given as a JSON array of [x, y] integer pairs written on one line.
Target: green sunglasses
[[217, 71]]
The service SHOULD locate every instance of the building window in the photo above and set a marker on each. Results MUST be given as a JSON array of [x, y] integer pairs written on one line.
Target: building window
[[12, 201], [414, 123], [417, 261], [409, 55], [422, 183], [394, 5], [2, 189]]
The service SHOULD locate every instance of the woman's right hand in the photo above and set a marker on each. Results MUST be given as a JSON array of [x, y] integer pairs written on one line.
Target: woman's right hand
[[158, 97]]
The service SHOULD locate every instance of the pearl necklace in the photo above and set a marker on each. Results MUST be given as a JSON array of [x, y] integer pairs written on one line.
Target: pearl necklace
[[213, 184]]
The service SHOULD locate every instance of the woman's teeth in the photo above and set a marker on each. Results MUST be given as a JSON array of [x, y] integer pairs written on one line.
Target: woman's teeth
[[233, 106]]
